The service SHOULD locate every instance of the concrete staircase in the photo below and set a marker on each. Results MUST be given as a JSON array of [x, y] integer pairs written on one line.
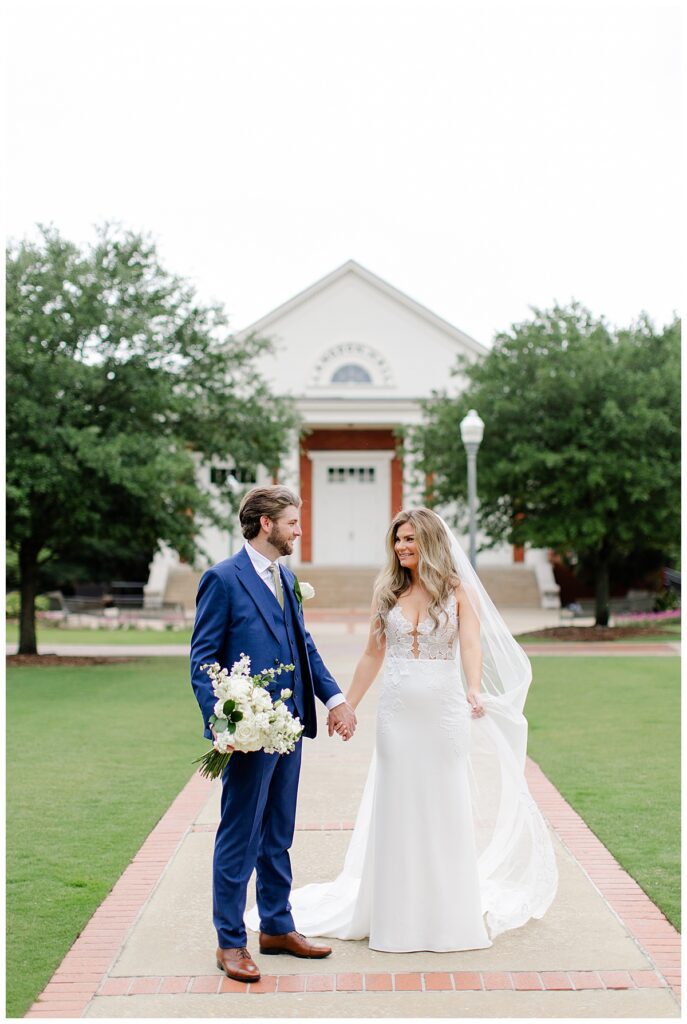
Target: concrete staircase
[[347, 587], [512, 586], [182, 585], [334, 587]]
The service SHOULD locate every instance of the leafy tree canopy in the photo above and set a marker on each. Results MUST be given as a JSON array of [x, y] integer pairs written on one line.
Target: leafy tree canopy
[[119, 382], [581, 447]]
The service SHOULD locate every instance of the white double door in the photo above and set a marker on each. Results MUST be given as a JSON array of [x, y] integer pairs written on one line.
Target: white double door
[[351, 502]]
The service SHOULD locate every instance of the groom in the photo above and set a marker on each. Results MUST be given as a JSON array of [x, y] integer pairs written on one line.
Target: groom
[[249, 604]]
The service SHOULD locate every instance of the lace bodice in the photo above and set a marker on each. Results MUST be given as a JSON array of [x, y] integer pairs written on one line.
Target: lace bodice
[[426, 642]]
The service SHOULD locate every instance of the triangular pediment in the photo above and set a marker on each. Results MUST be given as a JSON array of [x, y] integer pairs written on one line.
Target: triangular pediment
[[352, 269]]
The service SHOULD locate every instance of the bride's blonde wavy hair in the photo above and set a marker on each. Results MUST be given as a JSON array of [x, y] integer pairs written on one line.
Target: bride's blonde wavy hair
[[435, 566]]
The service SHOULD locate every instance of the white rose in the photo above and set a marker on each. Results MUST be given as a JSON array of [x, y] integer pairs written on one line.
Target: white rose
[[307, 591], [285, 694], [247, 735]]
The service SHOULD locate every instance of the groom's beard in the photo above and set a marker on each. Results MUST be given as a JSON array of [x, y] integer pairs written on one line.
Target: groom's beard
[[284, 545]]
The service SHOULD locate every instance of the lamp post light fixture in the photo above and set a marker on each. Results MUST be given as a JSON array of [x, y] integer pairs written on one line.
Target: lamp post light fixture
[[472, 432]]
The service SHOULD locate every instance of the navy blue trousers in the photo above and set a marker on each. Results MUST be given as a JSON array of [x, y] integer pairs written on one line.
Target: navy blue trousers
[[259, 793]]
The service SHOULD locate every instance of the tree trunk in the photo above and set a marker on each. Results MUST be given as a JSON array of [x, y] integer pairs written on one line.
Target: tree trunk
[[28, 588], [602, 588]]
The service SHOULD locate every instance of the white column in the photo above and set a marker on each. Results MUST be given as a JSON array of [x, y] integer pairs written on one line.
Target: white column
[[164, 560], [289, 471]]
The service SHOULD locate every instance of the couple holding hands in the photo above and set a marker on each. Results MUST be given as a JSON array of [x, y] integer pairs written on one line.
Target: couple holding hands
[[449, 849]]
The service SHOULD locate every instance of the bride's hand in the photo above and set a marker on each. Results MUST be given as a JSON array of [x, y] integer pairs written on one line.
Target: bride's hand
[[476, 705]]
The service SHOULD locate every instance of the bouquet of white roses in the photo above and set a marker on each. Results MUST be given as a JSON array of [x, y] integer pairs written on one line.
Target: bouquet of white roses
[[245, 716]]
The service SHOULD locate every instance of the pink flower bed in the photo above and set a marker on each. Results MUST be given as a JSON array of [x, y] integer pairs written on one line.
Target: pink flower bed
[[674, 613]]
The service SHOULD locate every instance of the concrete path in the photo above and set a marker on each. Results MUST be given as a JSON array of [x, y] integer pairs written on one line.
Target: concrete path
[[343, 630], [542, 650], [603, 950]]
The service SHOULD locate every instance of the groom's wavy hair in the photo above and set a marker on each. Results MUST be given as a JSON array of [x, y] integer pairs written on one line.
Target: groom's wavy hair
[[264, 501], [435, 566]]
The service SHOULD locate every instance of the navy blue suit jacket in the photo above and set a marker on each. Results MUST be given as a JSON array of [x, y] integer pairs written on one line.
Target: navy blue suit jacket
[[236, 614]]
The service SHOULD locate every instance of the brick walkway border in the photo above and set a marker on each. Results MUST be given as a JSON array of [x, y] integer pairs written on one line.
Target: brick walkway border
[[418, 981], [647, 925], [84, 972], [89, 960]]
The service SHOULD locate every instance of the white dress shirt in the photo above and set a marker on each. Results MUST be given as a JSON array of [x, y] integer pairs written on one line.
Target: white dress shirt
[[262, 564]]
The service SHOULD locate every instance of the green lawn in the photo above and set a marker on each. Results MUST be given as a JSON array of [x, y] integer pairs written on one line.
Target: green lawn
[[606, 731], [53, 635], [87, 781], [668, 634]]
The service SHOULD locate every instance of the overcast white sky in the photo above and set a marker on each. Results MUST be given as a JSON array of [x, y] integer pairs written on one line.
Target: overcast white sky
[[482, 157]]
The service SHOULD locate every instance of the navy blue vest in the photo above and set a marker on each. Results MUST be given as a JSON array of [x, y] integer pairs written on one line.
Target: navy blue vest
[[289, 654]]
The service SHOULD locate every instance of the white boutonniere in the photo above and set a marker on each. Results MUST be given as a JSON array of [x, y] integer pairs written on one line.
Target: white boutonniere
[[303, 591]]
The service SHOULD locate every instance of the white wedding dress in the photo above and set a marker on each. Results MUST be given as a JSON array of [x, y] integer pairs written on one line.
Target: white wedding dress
[[448, 849]]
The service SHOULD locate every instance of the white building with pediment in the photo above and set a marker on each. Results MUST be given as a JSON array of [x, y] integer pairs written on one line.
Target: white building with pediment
[[357, 355]]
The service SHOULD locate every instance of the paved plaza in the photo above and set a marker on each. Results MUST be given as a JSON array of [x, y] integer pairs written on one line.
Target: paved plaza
[[603, 950]]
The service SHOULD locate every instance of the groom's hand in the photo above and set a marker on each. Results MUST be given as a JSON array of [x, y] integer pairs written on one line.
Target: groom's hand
[[342, 719], [230, 750]]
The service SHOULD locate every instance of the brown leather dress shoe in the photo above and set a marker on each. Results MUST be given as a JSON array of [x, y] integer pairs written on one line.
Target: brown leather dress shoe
[[293, 943], [237, 964]]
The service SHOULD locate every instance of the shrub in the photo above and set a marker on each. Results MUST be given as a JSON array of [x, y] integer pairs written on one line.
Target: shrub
[[13, 604], [666, 600]]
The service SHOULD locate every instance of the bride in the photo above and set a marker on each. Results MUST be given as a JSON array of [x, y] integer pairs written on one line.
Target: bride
[[449, 849]]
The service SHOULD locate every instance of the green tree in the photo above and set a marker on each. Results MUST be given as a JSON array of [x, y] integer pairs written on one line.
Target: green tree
[[119, 382], [581, 449]]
